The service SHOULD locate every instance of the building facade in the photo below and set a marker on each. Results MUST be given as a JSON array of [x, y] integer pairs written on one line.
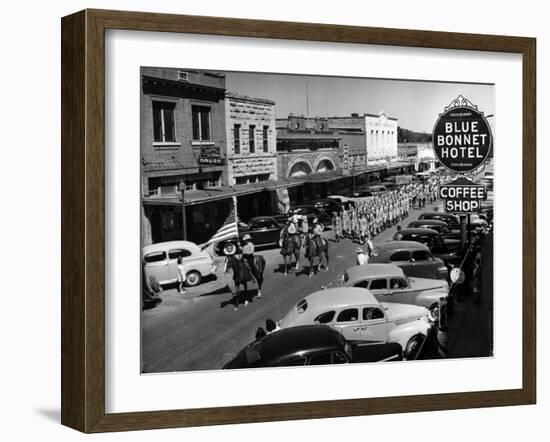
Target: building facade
[[251, 139], [381, 137], [182, 149]]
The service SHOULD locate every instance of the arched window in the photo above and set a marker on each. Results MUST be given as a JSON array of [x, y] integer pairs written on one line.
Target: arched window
[[325, 166], [300, 169]]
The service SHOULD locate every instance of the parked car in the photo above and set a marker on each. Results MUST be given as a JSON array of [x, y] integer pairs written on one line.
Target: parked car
[[444, 250], [388, 283], [376, 189], [328, 205], [452, 220], [264, 230], [359, 193], [311, 345], [440, 227], [359, 316], [344, 201], [413, 257], [160, 261]]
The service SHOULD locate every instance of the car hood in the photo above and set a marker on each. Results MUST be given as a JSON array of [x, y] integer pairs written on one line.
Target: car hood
[[428, 284], [396, 311]]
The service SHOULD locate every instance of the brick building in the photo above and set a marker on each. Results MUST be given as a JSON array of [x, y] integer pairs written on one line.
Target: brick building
[[182, 146]]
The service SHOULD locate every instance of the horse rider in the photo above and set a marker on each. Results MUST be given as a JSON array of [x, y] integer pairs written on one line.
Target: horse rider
[[248, 251]]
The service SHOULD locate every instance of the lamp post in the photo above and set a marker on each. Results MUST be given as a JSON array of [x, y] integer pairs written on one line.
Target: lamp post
[[183, 216]]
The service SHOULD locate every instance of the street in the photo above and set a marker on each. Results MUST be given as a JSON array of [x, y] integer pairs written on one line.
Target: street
[[201, 331]]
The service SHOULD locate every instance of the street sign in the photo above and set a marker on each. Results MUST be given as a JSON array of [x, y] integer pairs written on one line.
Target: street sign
[[462, 138], [211, 161], [462, 195]]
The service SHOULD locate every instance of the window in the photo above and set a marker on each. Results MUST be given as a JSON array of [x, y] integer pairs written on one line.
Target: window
[[378, 284], [324, 318], [263, 177], [348, 315], [241, 180], [421, 255], [213, 183], [339, 358], [155, 257], [265, 139], [237, 138], [362, 284], [294, 362], [398, 284], [251, 141], [320, 359], [372, 313], [163, 122], [201, 123], [183, 76], [176, 253], [400, 256], [301, 306]]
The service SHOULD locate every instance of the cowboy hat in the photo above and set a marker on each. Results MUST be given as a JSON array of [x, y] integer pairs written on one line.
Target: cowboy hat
[[247, 237], [358, 250]]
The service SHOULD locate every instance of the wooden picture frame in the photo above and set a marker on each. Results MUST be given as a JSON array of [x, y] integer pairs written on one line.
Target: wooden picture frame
[[83, 219]]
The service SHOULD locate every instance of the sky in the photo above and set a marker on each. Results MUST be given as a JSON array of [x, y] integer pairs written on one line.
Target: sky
[[416, 104]]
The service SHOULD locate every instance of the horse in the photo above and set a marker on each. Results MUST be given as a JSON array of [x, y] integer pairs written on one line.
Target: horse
[[316, 248], [291, 245], [242, 274]]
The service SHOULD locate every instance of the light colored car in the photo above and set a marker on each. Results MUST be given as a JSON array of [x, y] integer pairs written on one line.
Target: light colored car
[[359, 316], [160, 260], [388, 283]]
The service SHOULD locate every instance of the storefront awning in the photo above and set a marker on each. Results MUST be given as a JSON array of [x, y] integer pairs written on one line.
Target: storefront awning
[[193, 197]]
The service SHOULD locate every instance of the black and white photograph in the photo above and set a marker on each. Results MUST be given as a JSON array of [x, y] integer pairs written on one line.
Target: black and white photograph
[[294, 220]]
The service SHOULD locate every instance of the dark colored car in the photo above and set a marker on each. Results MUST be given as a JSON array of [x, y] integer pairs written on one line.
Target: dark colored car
[[453, 221], [264, 230], [433, 240], [440, 227], [328, 205], [413, 257], [311, 345], [376, 189], [359, 193]]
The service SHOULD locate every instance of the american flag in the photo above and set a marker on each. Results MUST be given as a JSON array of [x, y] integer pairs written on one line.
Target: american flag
[[228, 229]]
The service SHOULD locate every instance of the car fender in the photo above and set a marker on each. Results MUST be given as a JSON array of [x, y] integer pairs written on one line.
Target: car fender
[[428, 297], [402, 333]]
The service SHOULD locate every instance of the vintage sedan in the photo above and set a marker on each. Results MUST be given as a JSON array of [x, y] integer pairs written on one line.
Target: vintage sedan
[[311, 212], [388, 283], [359, 316], [446, 250], [453, 221], [264, 231], [160, 260], [311, 345], [440, 227], [413, 257], [328, 205]]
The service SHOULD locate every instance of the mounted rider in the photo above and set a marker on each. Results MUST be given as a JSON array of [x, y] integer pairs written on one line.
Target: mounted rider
[[248, 251], [291, 229]]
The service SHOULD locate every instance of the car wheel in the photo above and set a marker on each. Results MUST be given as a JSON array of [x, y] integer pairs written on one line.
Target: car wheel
[[229, 249], [433, 312], [413, 346], [193, 278]]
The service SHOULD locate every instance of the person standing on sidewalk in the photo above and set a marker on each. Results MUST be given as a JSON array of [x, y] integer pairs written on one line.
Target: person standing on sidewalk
[[182, 276]]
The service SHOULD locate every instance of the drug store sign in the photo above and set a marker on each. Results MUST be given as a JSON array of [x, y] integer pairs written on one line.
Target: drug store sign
[[462, 138]]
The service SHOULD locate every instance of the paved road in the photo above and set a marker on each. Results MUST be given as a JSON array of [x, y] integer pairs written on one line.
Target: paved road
[[201, 330]]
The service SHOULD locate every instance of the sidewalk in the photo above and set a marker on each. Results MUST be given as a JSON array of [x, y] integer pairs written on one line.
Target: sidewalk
[[471, 325]]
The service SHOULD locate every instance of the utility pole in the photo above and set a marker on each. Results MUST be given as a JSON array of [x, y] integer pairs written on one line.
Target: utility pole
[[183, 216]]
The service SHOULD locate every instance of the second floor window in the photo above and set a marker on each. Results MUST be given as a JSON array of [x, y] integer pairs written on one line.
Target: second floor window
[[265, 139], [163, 121], [251, 141], [237, 138], [201, 123]]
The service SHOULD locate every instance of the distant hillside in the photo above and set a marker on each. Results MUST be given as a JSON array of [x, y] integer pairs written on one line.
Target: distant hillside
[[408, 136]]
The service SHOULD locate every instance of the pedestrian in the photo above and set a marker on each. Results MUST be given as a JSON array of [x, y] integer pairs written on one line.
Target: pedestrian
[[182, 276], [260, 333], [337, 227], [362, 258], [364, 226], [369, 247], [398, 235]]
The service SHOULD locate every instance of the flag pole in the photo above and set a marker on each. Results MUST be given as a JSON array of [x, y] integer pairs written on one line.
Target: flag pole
[[236, 215]]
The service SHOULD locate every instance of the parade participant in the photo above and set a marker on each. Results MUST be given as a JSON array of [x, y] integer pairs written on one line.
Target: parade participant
[[305, 227], [248, 251], [364, 226], [337, 225], [370, 247], [361, 256], [345, 223], [317, 228]]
